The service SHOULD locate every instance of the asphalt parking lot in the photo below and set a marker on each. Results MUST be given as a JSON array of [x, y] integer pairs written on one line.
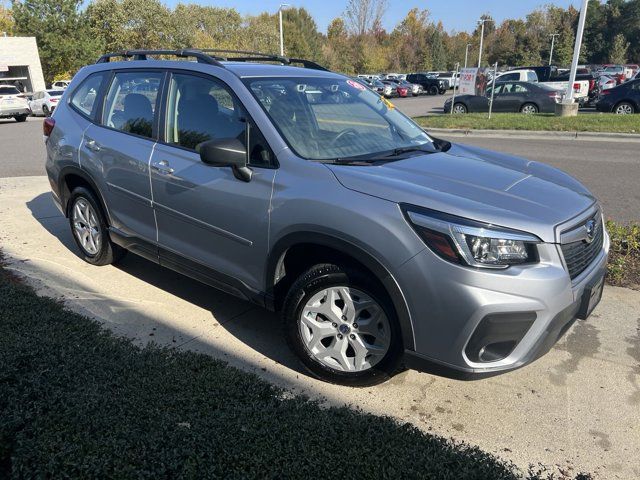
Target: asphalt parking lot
[[577, 407]]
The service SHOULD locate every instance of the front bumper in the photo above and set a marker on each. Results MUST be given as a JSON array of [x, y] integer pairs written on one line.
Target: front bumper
[[523, 310]]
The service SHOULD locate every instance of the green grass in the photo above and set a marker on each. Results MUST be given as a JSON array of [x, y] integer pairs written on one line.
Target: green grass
[[543, 122], [77, 402], [624, 255]]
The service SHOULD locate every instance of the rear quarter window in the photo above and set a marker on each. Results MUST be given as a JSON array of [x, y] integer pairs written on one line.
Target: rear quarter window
[[84, 97]]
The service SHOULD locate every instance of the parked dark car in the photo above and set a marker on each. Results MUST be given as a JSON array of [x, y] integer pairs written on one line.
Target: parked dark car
[[623, 99], [432, 86], [523, 97]]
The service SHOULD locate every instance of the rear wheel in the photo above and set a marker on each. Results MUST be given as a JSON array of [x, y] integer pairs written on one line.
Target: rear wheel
[[624, 108], [341, 325], [529, 108], [46, 111], [90, 229], [433, 90], [21, 118], [459, 108]]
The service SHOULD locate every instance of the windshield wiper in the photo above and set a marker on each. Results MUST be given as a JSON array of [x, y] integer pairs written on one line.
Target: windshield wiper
[[417, 148]]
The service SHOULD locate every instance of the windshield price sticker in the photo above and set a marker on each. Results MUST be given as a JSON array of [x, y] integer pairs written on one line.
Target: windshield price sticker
[[355, 85]]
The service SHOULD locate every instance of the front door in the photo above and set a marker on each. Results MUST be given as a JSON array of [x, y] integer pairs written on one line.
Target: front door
[[208, 220]]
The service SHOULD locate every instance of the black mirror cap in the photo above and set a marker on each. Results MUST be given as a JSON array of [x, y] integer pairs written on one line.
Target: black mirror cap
[[223, 152], [226, 152]]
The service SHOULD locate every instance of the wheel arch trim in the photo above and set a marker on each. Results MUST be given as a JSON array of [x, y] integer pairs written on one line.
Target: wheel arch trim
[[350, 249], [64, 196]]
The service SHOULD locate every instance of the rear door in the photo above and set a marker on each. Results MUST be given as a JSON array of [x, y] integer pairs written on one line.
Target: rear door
[[211, 225], [118, 150], [511, 97]]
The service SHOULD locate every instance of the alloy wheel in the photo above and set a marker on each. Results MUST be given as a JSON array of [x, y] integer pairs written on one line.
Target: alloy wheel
[[624, 109], [86, 226], [529, 109], [345, 329], [459, 108]]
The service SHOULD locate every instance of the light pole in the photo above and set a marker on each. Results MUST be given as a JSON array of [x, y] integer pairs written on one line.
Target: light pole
[[553, 42], [576, 52], [466, 54], [482, 21], [283, 6]]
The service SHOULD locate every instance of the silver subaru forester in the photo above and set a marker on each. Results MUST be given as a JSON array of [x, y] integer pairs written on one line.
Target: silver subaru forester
[[303, 191]]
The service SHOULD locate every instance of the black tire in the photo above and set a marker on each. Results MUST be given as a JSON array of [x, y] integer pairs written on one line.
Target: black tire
[[433, 90], [529, 106], [316, 279], [109, 253], [45, 111], [21, 118]]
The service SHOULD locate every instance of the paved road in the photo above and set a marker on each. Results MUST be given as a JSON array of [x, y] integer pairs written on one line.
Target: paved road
[[610, 169], [577, 407]]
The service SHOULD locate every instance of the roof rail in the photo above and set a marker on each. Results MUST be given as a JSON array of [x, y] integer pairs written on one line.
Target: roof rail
[[213, 56], [142, 55], [247, 56]]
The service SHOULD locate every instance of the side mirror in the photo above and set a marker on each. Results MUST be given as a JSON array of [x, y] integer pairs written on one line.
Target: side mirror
[[226, 152]]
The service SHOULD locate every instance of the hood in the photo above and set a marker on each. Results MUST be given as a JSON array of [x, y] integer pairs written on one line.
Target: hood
[[477, 184]]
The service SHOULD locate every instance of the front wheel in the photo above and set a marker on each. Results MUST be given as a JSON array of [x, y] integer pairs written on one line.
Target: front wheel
[[459, 108], [433, 90], [45, 111], [342, 326], [21, 118], [624, 108], [529, 108]]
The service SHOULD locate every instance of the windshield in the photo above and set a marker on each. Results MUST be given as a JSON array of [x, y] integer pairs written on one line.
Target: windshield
[[55, 93], [334, 118]]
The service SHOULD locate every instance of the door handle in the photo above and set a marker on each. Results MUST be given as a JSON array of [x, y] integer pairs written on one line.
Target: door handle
[[162, 167], [92, 145]]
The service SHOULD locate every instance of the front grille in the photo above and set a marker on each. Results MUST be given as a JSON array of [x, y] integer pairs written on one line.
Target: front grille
[[579, 255]]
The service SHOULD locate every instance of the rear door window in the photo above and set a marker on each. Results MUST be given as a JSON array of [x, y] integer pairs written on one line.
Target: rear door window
[[131, 103]]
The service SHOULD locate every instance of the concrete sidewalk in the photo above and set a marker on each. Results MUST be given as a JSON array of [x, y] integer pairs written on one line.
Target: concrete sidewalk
[[578, 407]]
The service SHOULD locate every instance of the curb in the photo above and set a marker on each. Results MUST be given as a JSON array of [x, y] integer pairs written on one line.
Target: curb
[[619, 137]]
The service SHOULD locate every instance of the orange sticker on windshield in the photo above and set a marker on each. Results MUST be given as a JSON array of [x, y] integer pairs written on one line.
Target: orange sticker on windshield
[[389, 105]]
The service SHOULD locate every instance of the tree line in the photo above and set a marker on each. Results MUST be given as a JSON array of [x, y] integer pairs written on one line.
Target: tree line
[[71, 33]]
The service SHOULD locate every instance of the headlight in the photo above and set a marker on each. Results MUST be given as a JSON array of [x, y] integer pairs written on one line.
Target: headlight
[[467, 242]]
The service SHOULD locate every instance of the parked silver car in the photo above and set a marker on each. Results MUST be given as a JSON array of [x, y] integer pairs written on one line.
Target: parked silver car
[[304, 192]]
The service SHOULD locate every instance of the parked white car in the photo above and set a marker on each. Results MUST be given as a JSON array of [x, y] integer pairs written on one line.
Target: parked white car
[[45, 102], [60, 84], [518, 76], [13, 104], [605, 82]]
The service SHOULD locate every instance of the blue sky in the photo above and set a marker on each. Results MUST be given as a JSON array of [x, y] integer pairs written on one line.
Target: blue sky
[[454, 14]]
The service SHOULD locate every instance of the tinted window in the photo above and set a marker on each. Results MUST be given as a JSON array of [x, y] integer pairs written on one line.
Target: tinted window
[[56, 93], [84, 97], [131, 102], [9, 91], [509, 77]]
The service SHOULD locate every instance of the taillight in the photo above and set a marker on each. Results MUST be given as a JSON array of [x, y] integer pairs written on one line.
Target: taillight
[[576, 87], [54, 100], [592, 84], [47, 126]]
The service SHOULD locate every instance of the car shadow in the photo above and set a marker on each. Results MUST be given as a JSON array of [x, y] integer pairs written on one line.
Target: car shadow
[[256, 327]]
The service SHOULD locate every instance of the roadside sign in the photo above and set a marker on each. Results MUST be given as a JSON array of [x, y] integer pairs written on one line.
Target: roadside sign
[[467, 81]]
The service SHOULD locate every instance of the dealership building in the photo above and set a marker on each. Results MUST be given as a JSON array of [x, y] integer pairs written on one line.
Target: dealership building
[[20, 63]]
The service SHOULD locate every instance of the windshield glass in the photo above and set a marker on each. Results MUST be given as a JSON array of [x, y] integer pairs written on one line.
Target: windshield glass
[[334, 118], [55, 93]]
